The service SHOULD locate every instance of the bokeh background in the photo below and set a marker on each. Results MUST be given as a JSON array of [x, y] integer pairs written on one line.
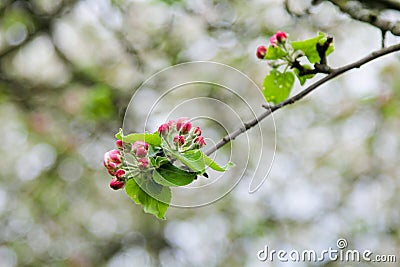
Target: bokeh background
[[68, 70]]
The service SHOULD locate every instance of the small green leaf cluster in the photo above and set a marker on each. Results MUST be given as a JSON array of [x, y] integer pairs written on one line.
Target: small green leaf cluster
[[284, 57], [147, 165]]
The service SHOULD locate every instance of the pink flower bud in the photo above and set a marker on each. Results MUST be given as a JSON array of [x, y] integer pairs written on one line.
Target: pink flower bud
[[143, 144], [179, 140], [111, 172], [281, 36], [120, 173], [115, 155], [278, 37], [186, 127], [197, 131], [180, 122], [143, 163], [273, 41], [164, 129], [112, 160], [115, 184], [199, 140], [139, 144], [170, 123], [141, 152], [119, 144], [112, 165], [261, 51], [106, 159]]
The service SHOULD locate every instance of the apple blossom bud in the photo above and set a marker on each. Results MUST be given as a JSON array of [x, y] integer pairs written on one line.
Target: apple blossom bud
[[111, 172], [164, 129], [170, 123], [180, 122], [115, 155], [143, 143], [120, 173], [199, 140], [115, 184], [273, 41], [141, 152], [112, 160], [179, 140], [112, 165], [278, 37], [139, 144], [143, 163], [119, 144], [261, 51], [197, 131], [281, 36], [186, 127], [106, 159]]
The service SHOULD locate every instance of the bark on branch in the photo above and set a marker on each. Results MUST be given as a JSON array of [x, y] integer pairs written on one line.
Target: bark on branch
[[368, 11]]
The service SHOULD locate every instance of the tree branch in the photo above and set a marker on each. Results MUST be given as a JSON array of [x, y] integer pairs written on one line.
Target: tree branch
[[358, 11], [382, 4], [270, 109]]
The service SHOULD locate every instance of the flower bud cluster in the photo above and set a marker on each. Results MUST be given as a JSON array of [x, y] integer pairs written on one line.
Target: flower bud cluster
[[180, 135], [119, 168], [130, 160], [140, 150], [279, 38]]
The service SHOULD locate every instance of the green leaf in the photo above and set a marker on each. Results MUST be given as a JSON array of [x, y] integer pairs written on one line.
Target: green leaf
[[213, 165], [133, 190], [154, 198], [309, 47], [193, 159], [158, 161], [275, 53], [277, 86], [303, 78], [169, 175], [150, 138]]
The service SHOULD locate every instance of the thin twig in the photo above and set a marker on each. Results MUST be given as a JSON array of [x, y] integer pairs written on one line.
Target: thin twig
[[335, 72], [383, 32], [322, 49]]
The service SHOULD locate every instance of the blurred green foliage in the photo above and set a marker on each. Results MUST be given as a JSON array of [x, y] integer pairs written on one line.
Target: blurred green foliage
[[98, 104]]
